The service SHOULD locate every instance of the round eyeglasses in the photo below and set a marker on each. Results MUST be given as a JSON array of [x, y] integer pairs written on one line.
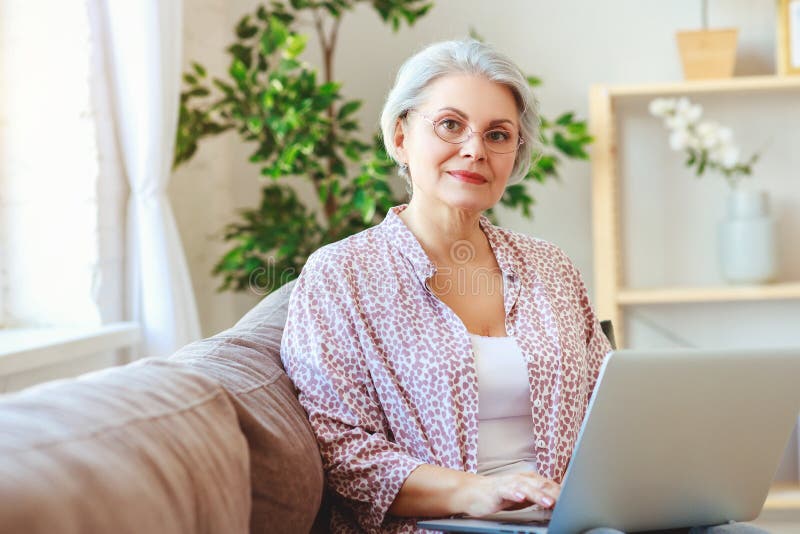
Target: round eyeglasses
[[455, 131]]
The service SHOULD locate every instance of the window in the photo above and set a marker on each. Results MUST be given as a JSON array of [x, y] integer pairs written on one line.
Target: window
[[49, 166]]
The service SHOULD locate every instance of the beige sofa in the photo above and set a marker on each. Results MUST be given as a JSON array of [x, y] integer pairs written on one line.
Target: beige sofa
[[211, 439]]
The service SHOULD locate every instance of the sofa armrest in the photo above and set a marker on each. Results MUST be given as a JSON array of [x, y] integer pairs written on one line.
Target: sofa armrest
[[285, 465], [149, 447]]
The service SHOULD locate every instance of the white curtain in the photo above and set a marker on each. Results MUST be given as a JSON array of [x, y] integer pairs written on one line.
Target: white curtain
[[142, 39]]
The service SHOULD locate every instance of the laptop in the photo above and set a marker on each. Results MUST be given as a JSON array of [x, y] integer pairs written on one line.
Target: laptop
[[671, 439]]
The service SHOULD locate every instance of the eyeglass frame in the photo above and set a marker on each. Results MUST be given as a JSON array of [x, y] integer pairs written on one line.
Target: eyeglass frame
[[520, 139]]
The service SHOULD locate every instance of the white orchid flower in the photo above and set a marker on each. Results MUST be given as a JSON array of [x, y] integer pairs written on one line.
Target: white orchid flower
[[688, 133], [707, 129], [696, 142], [683, 105], [677, 122], [694, 113], [726, 156], [709, 134], [725, 135], [679, 139], [661, 107], [690, 112], [730, 156]]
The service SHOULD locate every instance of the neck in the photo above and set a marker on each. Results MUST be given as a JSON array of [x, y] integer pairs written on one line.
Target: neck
[[440, 228]]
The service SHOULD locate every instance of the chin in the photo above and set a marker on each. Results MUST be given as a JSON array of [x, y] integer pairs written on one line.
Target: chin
[[468, 200]]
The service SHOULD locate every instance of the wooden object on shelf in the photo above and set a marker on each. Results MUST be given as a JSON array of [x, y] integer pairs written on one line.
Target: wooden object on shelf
[[611, 296], [707, 53], [787, 46]]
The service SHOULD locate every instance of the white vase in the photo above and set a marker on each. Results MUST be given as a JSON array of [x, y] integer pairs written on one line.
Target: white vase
[[746, 239]]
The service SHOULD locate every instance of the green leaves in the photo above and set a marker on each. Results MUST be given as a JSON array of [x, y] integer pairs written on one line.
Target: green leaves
[[348, 109], [270, 245], [245, 30], [295, 44], [516, 197], [195, 121], [238, 71], [568, 135], [275, 35], [475, 35], [329, 88], [534, 81], [396, 11]]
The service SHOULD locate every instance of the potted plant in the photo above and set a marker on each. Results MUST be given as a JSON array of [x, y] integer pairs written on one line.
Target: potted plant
[[707, 53], [746, 235]]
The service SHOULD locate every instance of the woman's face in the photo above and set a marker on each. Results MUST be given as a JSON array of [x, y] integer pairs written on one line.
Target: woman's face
[[468, 175]]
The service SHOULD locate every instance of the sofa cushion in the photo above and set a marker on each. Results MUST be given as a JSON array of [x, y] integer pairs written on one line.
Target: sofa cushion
[[149, 447], [285, 465]]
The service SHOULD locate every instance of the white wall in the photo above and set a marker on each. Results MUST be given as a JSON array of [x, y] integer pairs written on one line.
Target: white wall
[[201, 191]]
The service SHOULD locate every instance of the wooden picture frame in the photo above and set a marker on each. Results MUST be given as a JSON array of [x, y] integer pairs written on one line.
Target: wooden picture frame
[[788, 45]]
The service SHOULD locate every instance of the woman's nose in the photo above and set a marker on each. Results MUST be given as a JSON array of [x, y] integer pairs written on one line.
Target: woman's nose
[[474, 147]]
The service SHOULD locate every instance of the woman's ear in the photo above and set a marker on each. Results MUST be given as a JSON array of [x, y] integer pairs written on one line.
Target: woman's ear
[[399, 140]]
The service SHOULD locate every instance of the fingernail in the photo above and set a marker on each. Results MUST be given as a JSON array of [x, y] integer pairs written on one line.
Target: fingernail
[[548, 501], [519, 496]]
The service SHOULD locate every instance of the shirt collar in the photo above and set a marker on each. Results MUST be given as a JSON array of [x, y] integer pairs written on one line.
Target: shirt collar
[[398, 235]]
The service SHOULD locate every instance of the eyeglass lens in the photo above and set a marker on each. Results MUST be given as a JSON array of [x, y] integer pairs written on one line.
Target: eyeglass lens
[[455, 131]]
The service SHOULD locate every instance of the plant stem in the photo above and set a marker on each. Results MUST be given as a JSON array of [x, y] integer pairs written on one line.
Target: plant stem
[[328, 46]]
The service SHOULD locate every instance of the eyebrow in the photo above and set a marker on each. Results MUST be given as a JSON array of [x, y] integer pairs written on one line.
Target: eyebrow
[[459, 112]]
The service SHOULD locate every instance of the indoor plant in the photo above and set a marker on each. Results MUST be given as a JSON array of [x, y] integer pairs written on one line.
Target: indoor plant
[[746, 236], [301, 126]]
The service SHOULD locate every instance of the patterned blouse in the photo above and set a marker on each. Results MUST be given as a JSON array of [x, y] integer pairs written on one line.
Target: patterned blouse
[[386, 371]]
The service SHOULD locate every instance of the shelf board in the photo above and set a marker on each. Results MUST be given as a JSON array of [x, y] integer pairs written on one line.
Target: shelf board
[[740, 83], [665, 295], [783, 495]]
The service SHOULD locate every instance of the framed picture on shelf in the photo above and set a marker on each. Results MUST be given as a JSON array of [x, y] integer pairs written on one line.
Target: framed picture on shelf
[[788, 45]]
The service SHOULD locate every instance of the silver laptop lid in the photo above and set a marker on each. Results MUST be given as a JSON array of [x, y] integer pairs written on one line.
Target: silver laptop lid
[[677, 438]]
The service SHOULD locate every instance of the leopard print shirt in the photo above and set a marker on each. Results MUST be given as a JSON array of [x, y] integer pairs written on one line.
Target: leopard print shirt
[[385, 370]]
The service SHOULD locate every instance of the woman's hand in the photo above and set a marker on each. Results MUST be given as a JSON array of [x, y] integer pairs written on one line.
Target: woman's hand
[[486, 495]]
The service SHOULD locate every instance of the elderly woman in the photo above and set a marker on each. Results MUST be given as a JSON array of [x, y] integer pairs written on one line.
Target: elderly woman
[[446, 364]]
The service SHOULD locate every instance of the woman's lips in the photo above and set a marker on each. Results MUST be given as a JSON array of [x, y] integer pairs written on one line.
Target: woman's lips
[[469, 177]]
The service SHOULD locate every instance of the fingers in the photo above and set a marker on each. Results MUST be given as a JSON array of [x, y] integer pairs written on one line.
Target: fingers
[[523, 493], [535, 489], [543, 482]]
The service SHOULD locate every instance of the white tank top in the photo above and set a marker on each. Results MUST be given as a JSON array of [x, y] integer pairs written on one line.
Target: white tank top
[[505, 425]]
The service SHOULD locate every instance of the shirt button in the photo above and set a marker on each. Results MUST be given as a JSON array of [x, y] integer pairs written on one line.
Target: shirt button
[[510, 331], [540, 444], [537, 403]]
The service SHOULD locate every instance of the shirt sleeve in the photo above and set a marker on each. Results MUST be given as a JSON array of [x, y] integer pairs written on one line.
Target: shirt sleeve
[[597, 344], [322, 355]]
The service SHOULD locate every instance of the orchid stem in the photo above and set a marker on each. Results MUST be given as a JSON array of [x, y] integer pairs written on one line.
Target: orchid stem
[[705, 14]]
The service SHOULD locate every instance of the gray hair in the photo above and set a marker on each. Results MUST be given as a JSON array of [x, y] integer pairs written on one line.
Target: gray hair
[[462, 57]]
